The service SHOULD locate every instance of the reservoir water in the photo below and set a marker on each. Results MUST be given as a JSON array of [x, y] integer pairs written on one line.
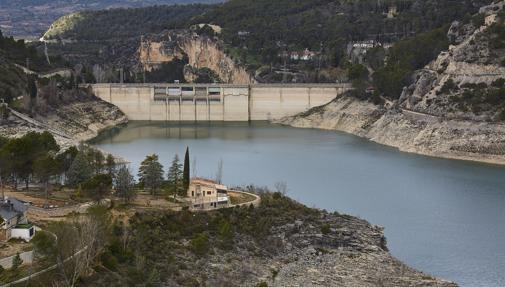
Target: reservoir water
[[443, 217]]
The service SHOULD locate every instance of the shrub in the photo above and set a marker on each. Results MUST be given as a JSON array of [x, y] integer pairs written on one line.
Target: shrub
[[325, 229], [448, 86], [16, 262], [478, 20], [109, 261], [200, 244], [499, 83]]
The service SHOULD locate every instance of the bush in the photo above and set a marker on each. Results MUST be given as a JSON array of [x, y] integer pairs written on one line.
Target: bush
[[16, 262], [478, 20], [200, 244], [357, 72], [109, 261], [325, 229], [499, 83], [405, 57], [448, 86]]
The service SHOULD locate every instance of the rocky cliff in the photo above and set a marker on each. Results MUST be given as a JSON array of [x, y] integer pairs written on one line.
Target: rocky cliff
[[468, 80], [200, 51], [72, 122], [454, 109]]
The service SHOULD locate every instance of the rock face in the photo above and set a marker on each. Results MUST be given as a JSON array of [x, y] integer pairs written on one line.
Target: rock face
[[409, 131], [201, 52], [70, 124], [277, 243], [465, 81], [454, 109], [350, 253]]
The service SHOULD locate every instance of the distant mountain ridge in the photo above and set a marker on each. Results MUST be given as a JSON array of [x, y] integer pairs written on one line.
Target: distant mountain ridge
[[31, 18]]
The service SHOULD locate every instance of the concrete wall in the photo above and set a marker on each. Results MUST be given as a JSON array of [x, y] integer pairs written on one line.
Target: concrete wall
[[198, 102], [27, 258]]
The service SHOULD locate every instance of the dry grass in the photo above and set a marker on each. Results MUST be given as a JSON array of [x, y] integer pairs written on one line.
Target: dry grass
[[239, 197]]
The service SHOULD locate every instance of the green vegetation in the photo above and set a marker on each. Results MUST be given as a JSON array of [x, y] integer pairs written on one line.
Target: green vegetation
[[168, 72], [200, 244], [448, 87], [16, 262], [125, 184], [407, 56], [19, 155], [274, 26], [260, 34], [175, 177], [186, 169], [169, 242], [98, 187], [151, 173], [80, 170], [479, 97], [123, 23]]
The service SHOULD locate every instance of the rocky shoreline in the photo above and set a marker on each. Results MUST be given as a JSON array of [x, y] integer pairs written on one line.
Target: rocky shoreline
[[408, 131], [70, 124], [278, 243]]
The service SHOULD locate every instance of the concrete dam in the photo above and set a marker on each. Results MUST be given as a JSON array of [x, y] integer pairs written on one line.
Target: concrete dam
[[216, 102]]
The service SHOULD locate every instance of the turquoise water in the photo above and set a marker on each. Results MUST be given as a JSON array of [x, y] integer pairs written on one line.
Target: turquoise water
[[443, 217]]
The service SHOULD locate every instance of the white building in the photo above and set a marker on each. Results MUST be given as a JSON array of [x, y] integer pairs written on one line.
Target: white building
[[207, 194], [14, 223]]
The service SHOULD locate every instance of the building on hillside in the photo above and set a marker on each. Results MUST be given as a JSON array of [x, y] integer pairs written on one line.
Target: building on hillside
[[14, 222], [305, 55], [205, 194], [356, 51], [392, 12]]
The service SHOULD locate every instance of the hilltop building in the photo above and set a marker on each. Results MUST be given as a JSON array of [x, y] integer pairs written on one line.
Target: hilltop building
[[207, 194], [14, 222], [392, 12]]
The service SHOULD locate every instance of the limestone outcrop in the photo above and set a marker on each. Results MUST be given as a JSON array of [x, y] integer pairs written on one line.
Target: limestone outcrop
[[465, 81], [70, 124], [200, 51], [454, 109]]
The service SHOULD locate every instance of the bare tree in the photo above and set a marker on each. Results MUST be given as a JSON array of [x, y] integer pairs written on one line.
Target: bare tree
[[281, 187], [76, 245], [193, 168], [219, 173], [98, 73]]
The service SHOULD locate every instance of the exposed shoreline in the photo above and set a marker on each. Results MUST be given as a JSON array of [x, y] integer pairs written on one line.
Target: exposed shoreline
[[408, 131], [70, 125]]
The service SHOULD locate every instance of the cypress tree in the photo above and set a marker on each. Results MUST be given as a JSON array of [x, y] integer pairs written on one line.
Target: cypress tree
[[185, 175]]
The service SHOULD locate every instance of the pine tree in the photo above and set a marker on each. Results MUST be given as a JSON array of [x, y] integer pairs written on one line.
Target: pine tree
[[185, 176], [151, 173], [110, 165], [16, 262], [80, 170], [175, 176], [125, 184]]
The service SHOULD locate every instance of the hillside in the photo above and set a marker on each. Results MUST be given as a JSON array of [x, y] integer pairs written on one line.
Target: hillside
[[279, 243], [453, 107], [31, 18], [13, 55], [44, 97], [275, 41]]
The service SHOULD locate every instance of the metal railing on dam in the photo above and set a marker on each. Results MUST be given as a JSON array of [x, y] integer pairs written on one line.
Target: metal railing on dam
[[216, 102]]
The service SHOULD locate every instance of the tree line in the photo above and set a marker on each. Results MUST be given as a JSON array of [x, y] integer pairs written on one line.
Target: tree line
[[151, 175], [36, 159]]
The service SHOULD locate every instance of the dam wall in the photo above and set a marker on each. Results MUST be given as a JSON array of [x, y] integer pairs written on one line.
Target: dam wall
[[216, 102]]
